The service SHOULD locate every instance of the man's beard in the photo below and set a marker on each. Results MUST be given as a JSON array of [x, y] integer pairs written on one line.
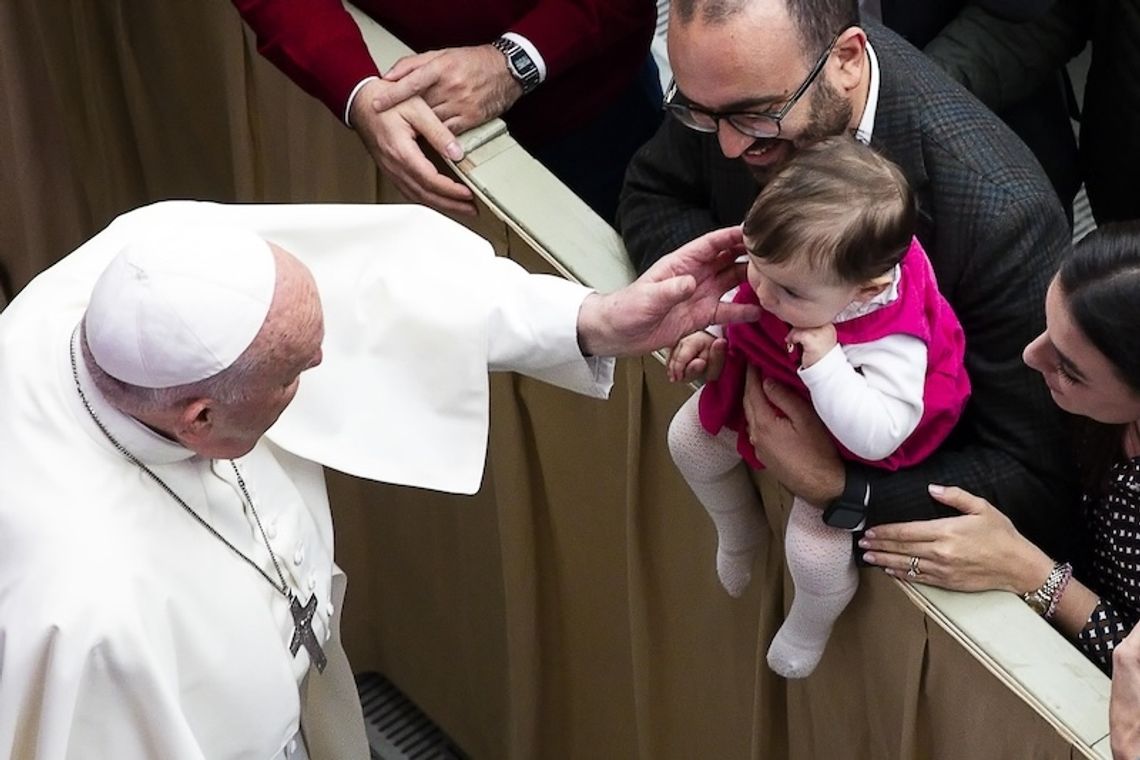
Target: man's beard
[[830, 115]]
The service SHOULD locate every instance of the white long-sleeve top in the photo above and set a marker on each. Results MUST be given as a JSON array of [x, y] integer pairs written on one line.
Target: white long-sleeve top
[[869, 395]]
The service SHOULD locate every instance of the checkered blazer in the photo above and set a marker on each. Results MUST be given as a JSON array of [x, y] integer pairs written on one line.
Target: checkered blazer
[[995, 234]]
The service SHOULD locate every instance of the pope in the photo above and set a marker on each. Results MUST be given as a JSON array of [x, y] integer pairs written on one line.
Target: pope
[[167, 580]]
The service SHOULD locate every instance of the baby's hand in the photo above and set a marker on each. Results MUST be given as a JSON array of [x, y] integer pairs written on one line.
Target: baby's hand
[[815, 342], [694, 355]]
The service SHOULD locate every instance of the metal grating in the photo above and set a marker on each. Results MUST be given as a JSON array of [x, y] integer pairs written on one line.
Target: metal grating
[[396, 728]]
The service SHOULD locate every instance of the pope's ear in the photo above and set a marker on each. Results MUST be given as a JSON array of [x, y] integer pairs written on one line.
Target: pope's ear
[[195, 421]]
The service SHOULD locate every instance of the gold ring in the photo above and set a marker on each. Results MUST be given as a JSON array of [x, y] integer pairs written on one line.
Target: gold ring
[[913, 572]]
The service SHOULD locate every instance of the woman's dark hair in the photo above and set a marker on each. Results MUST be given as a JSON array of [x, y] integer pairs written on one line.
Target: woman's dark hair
[[1101, 285], [1100, 282], [850, 210]]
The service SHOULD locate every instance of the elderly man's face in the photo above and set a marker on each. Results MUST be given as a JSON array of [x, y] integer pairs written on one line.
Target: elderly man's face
[[247, 422], [289, 343], [754, 61]]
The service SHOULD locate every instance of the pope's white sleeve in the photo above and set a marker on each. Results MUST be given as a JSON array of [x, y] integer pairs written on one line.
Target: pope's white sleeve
[[870, 395], [533, 329]]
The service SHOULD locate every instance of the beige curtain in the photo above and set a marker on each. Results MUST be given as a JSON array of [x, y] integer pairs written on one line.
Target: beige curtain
[[570, 609], [112, 104]]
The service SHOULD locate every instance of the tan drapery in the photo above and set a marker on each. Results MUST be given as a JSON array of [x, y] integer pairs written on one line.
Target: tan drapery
[[570, 609]]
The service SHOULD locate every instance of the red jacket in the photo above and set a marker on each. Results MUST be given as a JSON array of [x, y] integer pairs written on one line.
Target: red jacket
[[593, 49]]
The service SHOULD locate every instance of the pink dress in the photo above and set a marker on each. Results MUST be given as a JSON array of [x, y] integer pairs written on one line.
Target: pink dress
[[920, 310]]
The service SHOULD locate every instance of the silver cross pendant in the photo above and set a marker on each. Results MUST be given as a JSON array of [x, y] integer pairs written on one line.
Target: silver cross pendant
[[303, 631]]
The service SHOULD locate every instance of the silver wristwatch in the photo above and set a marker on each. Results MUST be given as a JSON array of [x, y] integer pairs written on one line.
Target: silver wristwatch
[[1042, 600], [519, 63]]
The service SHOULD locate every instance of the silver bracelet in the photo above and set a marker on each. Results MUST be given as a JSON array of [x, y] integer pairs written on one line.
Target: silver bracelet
[[1044, 600]]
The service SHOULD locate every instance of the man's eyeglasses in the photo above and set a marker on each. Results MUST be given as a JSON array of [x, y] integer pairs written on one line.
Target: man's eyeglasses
[[751, 123]]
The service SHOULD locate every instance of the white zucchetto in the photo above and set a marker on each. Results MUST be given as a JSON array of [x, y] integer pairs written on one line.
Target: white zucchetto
[[180, 306]]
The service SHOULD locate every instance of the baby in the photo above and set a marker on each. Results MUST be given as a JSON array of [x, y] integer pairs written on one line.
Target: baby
[[852, 320]]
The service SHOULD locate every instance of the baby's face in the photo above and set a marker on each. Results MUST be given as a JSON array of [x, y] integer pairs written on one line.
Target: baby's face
[[798, 294]]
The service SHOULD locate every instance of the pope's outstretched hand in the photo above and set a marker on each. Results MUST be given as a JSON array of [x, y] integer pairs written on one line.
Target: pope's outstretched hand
[[676, 296]]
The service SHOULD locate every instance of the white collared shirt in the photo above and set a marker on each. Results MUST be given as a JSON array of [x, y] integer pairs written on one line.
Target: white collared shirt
[[866, 126]]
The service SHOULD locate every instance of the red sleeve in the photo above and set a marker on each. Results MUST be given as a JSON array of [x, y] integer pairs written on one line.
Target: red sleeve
[[315, 42], [569, 31]]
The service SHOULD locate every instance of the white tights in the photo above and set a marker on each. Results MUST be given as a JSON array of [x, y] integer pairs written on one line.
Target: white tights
[[719, 479], [819, 556], [824, 574]]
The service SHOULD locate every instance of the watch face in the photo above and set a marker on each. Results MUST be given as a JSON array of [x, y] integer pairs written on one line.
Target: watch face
[[839, 515], [519, 63], [523, 68], [1036, 603]]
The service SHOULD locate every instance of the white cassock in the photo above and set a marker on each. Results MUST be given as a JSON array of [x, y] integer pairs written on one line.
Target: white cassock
[[127, 630]]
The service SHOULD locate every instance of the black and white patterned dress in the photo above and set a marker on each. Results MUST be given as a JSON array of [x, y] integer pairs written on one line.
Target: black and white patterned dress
[[1111, 567]]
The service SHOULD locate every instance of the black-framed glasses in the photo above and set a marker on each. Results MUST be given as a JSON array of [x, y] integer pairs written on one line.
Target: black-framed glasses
[[754, 124]]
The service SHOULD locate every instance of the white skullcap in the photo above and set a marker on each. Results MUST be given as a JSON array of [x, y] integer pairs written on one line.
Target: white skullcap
[[180, 306]]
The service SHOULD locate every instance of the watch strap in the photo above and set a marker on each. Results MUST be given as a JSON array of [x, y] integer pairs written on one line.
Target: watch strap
[[519, 63], [849, 511], [1044, 600]]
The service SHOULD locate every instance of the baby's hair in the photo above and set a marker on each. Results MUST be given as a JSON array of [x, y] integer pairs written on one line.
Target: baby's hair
[[850, 210]]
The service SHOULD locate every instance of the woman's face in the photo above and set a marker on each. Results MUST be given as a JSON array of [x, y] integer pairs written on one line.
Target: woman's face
[[1082, 380]]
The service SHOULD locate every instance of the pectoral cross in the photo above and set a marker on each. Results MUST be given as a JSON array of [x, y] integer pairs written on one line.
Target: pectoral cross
[[303, 631]]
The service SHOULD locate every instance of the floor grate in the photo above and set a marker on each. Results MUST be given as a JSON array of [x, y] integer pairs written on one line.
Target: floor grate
[[397, 729]]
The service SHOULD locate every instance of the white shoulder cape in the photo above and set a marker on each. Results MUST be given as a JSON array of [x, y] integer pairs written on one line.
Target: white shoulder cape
[[417, 309]]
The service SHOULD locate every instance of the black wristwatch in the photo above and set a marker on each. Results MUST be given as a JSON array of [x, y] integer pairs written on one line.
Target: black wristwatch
[[519, 63], [850, 509]]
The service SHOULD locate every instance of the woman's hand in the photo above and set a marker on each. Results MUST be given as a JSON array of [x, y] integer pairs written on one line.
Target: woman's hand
[[977, 551], [1124, 705]]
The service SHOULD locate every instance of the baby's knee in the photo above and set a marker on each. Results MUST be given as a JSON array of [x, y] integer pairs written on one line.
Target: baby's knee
[[685, 436]]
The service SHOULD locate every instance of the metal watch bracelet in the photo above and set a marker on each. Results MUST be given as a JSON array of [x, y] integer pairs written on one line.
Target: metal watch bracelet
[[1044, 600]]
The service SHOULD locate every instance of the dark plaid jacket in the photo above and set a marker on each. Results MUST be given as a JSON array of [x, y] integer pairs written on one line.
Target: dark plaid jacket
[[995, 234]]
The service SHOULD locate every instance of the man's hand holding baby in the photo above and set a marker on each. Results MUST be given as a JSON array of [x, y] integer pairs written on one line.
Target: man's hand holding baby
[[815, 342]]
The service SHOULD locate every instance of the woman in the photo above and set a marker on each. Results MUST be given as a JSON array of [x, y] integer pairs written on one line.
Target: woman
[[1089, 355]]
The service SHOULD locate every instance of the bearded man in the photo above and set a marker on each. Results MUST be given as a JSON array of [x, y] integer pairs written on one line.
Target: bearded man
[[755, 80]]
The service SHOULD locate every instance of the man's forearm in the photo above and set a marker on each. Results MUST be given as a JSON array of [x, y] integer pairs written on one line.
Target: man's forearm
[[1038, 505]]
